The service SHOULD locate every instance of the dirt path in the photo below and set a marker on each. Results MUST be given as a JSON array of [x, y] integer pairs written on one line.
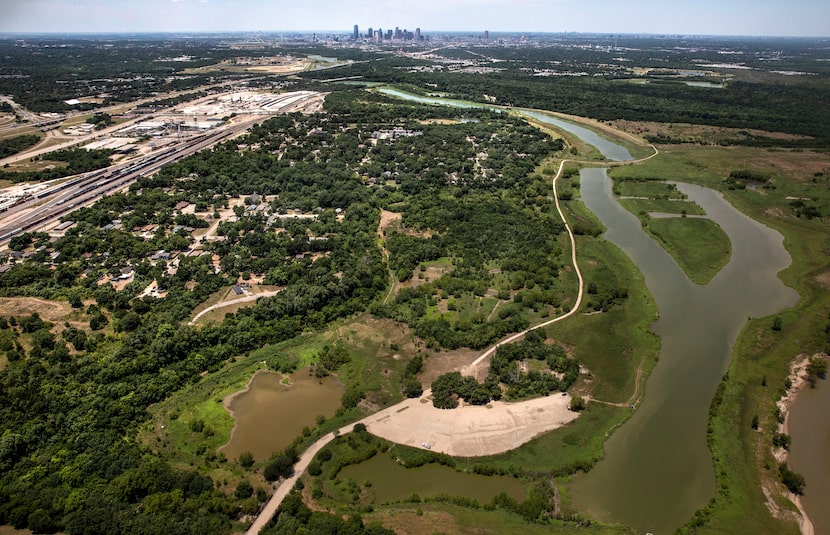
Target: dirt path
[[386, 219], [634, 396], [469, 431], [246, 299], [471, 369]]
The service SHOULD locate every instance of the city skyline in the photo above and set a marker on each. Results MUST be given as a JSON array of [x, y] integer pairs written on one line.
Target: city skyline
[[802, 18]]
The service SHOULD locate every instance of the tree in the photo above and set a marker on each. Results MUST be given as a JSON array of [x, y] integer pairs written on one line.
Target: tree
[[412, 387], [98, 322], [777, 323], [352, 396], [793, 481], [816, 369], [197, 426], [314, 468], [40, 521], [781, 440], [577, 404], [244, 490], [414, 366], [279, 466], [246, 459]]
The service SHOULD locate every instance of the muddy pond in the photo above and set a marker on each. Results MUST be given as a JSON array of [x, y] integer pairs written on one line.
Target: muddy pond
[[273, 411]]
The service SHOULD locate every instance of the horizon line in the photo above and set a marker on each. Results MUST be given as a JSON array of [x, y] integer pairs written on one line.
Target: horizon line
[[349, 32]]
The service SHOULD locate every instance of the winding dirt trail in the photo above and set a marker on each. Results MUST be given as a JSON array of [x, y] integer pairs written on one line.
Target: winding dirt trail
[[400, 410], [246, 299]]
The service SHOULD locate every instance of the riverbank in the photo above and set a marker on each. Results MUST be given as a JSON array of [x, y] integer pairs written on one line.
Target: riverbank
[[744, 464], [799, 379], [647, 447]]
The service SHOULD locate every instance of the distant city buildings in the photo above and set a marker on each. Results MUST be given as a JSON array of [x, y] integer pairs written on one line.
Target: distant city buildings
[[378, 36]]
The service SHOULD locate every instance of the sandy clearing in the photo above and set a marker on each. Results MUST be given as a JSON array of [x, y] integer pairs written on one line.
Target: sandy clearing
[[51, 311], [387, 218], [471, 431]]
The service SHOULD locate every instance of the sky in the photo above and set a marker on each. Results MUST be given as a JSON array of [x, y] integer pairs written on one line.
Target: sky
[[696, 17]]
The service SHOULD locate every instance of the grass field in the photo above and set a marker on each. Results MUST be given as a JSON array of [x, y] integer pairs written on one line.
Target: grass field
[[433, 518], [651, 189], [645, 206], [699, 245], [710, 166]]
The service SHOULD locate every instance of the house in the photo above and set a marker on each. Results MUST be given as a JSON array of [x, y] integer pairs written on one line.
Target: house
[[237, 290], [126, 273]]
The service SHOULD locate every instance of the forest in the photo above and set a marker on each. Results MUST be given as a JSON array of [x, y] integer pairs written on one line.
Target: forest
[[602, 86], [70, 396], [476, 253]]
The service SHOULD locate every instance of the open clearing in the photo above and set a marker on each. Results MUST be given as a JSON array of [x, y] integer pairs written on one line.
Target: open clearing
[[471, 431], [51, 311]]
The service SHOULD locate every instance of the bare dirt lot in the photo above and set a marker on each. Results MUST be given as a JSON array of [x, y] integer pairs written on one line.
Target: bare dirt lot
[[470, 431], [51, 311]]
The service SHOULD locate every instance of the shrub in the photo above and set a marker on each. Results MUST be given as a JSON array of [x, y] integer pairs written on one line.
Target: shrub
[[246, 459], [244, 490], [793, 481]]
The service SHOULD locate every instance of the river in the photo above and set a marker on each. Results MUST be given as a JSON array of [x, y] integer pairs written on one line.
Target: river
[[658, 469], [609, 150]]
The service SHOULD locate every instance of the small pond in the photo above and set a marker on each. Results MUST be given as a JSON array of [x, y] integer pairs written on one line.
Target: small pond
[[271, 413]]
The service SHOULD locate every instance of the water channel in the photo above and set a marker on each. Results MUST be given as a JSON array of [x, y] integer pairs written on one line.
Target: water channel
[[270, 413], [609, 150], [658, 469], [810, 451]]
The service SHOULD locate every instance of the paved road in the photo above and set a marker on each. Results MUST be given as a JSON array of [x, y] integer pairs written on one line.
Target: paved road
[[41, 212]]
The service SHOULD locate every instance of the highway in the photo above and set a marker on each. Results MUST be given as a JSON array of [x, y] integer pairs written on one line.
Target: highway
[[65, 195], [53, 203]]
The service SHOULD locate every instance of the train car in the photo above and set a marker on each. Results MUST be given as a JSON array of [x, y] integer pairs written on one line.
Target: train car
[[11, 234]]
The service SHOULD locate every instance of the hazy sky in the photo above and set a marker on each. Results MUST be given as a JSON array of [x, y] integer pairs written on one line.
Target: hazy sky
[[715, 17]]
